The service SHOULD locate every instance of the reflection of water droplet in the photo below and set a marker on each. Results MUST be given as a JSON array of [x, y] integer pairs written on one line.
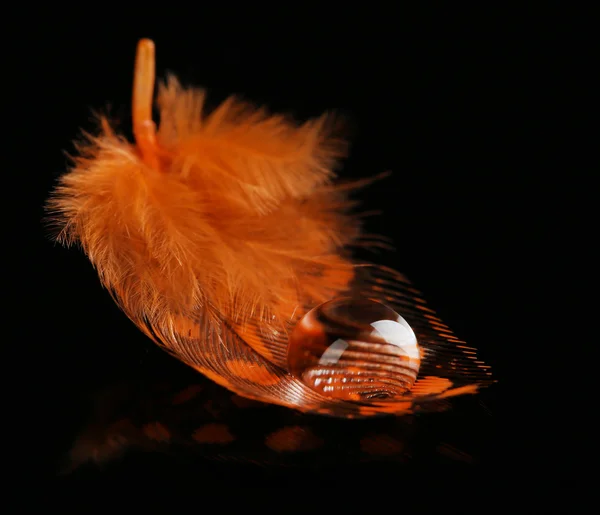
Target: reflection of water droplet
[[354, 349]]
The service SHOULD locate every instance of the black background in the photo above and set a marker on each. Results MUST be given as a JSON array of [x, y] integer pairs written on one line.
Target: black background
[[468, 108]]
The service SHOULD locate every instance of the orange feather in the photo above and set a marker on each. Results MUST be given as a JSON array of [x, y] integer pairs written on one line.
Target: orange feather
[[216, 231]]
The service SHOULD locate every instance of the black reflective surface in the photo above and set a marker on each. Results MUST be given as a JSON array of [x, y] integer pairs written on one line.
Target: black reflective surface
[[460, 106]]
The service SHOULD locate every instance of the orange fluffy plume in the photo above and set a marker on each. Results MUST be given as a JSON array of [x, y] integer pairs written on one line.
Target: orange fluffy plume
[[215, 232], [239, 213]]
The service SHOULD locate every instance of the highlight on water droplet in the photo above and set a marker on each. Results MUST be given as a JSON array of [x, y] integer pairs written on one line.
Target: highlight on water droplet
[[355, 350]]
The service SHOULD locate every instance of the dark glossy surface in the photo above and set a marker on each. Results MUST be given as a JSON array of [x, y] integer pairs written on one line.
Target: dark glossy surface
[[467, 107]]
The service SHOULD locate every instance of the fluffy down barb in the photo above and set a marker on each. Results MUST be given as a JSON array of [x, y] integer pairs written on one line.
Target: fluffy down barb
[[241, 215]]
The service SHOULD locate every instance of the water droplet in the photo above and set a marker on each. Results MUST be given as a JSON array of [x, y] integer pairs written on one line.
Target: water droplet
[[355, 350]]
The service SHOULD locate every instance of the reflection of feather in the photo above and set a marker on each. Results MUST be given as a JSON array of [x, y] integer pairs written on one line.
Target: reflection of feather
[[192, 416], [216, 232], [209, 422]]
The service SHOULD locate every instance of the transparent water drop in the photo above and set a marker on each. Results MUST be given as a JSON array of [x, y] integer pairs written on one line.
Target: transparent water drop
[[355, 350]]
